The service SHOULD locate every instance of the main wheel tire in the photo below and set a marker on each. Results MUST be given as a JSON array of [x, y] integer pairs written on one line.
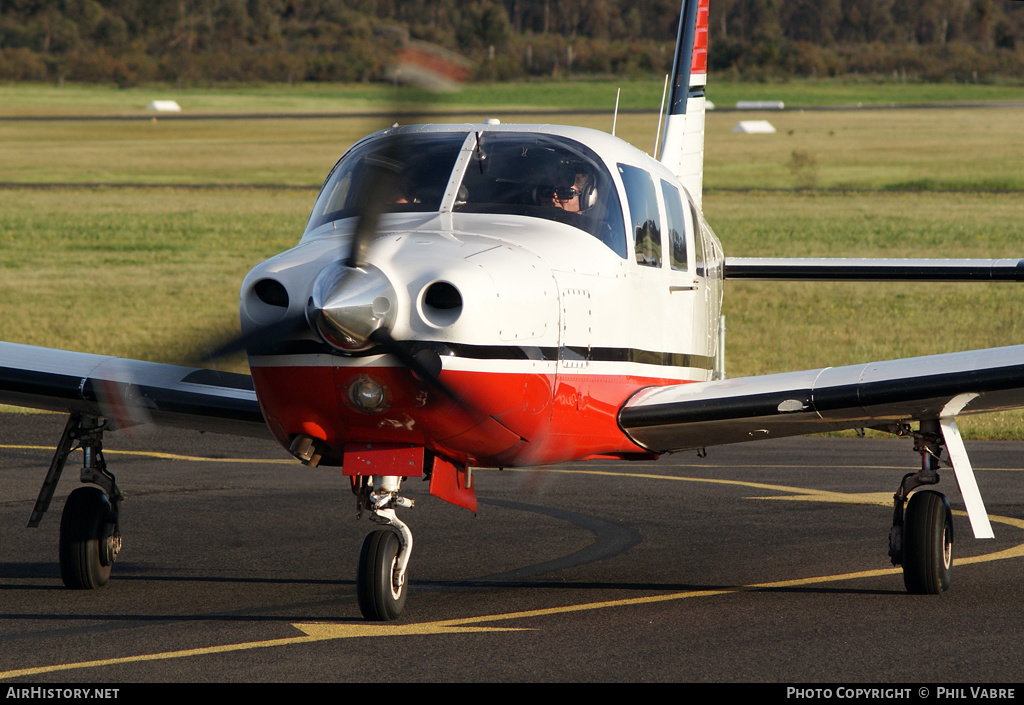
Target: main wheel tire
[[927, 544], [379, 599], [83, 537]]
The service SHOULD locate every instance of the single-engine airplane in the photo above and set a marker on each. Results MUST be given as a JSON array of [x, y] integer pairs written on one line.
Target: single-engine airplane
[[489, 295]]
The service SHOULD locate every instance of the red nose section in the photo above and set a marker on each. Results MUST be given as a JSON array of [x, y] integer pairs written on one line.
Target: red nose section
[[509, 419], [350, 405]]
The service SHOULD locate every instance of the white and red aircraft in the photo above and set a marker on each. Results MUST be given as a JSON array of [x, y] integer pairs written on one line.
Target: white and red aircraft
[[489, 295]]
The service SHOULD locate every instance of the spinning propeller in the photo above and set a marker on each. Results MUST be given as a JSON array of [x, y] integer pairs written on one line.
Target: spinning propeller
[[353, 304]]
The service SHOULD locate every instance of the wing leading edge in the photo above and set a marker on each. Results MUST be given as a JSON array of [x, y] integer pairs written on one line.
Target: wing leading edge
[[129, 392], [873, 395]]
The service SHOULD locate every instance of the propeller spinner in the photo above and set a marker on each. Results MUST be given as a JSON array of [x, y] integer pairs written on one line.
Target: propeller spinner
[[348, 305]]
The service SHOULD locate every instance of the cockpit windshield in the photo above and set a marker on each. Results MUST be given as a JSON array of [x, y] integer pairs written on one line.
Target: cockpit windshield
[[510, 173], [415, 170], [543, 176]]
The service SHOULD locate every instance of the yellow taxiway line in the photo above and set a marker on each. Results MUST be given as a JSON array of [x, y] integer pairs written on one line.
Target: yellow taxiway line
[[167, 456], [314, 631]]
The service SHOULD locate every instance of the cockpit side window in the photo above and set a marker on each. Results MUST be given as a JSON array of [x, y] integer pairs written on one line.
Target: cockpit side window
[[643, 212], [543, 176], [419, 167], [677, 225]]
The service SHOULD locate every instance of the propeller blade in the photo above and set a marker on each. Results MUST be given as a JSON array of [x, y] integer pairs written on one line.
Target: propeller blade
[[119, 398], [426, 367], [379, 190], [429, 68], [261, 338]]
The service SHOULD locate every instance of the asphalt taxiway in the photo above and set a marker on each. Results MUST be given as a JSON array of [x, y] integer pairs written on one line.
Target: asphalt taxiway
[[763, 562]]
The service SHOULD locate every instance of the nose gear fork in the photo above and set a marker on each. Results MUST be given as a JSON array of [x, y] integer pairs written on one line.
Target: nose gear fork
[[383, 501]]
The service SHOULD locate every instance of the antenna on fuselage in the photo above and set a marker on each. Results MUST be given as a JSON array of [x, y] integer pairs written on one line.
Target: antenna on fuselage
[[615, 115], [661, 112]]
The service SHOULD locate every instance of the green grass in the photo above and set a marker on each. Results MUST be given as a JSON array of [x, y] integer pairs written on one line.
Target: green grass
[[586, 94], [957, 149], [252, 152], [143, 274], [967, 149], [866, 92], [35, 99]]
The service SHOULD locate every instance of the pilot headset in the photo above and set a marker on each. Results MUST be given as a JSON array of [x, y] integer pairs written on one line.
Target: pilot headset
[[588, 194]]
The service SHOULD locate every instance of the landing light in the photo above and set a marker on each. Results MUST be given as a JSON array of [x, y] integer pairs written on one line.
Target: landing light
[[368, 395]]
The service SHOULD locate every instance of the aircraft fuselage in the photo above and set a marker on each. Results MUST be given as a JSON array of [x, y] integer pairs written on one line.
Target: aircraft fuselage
[[543, 326]]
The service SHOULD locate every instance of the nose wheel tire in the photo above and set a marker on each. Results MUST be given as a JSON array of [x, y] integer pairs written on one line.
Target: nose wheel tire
[[927, 544], [380, 598], [86, 538]]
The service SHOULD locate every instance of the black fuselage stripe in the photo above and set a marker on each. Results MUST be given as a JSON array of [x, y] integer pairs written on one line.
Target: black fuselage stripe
[[512, 352]]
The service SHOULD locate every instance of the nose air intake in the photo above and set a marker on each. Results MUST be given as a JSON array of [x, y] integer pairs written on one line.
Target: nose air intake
[[348, 305]]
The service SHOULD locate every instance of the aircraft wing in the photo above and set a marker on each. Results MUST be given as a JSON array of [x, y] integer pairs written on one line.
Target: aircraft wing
[[882, 395], [129, 392]]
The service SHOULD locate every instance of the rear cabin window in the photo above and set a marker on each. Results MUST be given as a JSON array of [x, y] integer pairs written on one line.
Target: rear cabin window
[[643, 213], [676, 217]]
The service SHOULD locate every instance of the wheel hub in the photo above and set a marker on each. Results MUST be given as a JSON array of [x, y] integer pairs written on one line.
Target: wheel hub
[[110, 546]]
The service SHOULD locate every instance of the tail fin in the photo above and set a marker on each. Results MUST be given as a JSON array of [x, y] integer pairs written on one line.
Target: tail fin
[[683, 138]]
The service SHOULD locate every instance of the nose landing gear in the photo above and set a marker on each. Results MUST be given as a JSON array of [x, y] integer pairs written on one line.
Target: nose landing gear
[[380, 586], [382, 573]]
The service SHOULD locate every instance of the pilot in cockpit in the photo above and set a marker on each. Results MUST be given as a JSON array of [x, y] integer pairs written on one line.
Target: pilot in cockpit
[[574, 192]]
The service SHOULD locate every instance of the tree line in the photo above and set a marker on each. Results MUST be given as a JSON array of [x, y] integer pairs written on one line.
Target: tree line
[[195, 42]]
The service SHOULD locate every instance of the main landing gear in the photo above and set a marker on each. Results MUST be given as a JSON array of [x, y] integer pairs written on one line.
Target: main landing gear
[[89, 540], [382, 574], [89, 535], [921, 539]]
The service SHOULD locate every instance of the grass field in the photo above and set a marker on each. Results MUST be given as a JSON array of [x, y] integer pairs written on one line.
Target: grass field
[[72, 99], [140, 250]]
